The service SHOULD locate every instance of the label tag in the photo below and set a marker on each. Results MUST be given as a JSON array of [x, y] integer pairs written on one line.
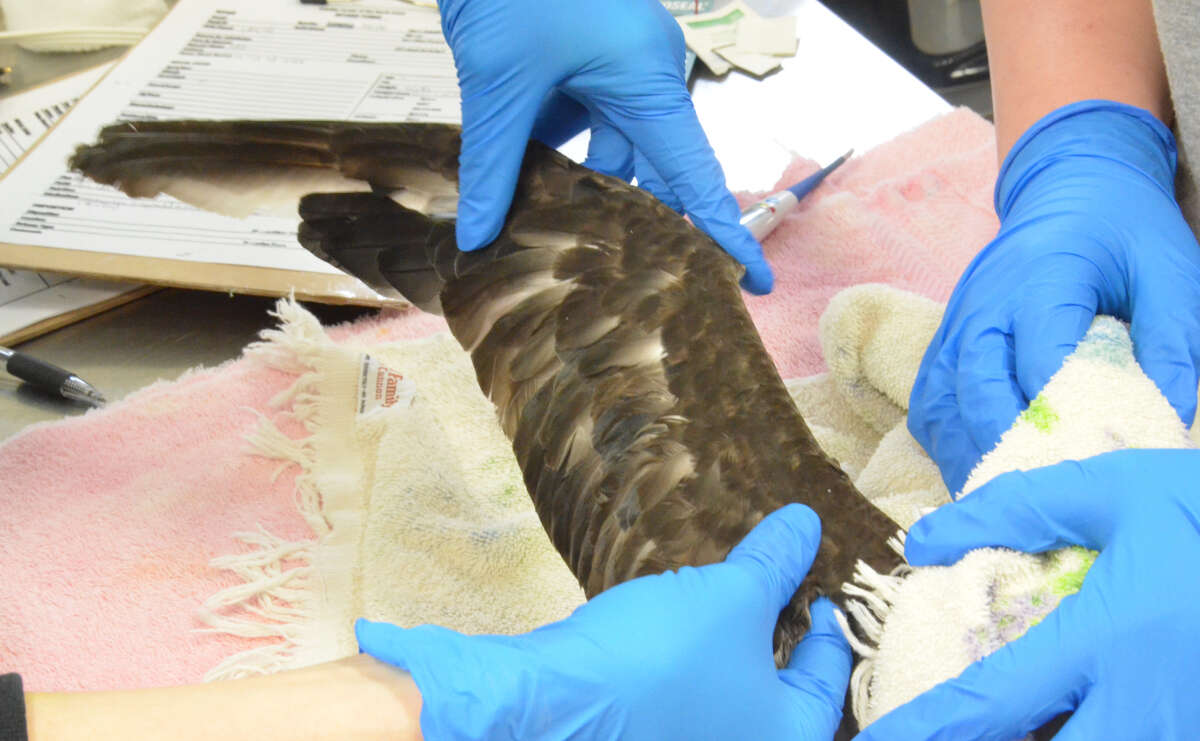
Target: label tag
[[380, 387]]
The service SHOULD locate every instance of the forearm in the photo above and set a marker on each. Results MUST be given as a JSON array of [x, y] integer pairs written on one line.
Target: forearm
[[1044, 54], [354, 699]]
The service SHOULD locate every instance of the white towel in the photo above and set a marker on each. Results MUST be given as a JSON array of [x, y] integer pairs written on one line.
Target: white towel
[[419, 508], [421, 514], [927, 624]]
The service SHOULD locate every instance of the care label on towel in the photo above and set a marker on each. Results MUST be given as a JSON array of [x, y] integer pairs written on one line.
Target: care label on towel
[[380, 387]]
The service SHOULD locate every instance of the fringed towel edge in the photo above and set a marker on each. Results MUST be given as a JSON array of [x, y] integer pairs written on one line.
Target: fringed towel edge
[[278, 596], [869, 600]]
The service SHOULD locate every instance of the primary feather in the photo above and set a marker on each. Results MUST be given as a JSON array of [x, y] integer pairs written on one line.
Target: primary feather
[[650, 424]]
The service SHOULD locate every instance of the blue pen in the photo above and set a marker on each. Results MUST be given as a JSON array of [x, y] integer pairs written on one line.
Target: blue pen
[[761, 218]]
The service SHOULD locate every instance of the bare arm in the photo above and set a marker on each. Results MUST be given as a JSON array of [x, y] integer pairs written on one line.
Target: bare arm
[[355, 699], [1047, 53]]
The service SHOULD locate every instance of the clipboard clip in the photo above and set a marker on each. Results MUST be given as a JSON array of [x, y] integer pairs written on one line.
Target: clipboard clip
[[4, 73]]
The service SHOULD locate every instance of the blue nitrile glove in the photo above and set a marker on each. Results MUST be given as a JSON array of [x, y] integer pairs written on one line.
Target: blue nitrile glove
[[1088, 224], [1124, 652], [682, 655], [527, 67]]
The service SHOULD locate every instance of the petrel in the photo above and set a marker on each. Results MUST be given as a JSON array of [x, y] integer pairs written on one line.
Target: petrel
[[651, 426]]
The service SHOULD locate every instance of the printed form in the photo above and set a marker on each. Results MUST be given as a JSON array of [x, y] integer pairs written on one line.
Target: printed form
[[29, 299], [221, 59]]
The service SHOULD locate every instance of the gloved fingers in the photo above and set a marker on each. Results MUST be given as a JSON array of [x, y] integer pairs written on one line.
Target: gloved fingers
[[1166, 343], [779, 551], [668, 133], [649, 180], [1128, 713], [430, 648], [559, 118], [384, 641], [989, 396], [1091, 721], [1017, 689], [609, 152], [1049, 322], [935, 416], [1069, 503], [497, 122], [821, 662]]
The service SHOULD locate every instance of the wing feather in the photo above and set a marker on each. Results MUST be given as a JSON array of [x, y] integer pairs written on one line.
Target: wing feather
[[651, 427]]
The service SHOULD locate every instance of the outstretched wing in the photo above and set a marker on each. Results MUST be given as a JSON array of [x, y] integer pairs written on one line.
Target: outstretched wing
[[651, 426]]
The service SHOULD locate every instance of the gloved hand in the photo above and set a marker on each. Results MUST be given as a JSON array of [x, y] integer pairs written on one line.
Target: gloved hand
[[527, 67], [682, 654], [1124, 652], [1088, 224]]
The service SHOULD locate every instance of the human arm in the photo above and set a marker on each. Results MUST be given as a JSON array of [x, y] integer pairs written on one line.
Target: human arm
[[354, 699], [549, 70], [1122, 654], [687, 652], [1088, 224], [683, 654], [1043, 55]]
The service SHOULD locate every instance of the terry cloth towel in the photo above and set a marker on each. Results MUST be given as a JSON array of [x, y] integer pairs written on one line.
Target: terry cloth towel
[[105, 553], [411, 488], [925, 625]]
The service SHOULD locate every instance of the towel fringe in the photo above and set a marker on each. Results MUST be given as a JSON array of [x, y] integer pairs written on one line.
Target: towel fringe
[[273, 601], [268, 441], [860, 690], [297, 337], [869, 600], [276, 596]]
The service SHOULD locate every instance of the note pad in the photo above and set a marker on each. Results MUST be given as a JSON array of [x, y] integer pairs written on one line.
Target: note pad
[[218, 59]]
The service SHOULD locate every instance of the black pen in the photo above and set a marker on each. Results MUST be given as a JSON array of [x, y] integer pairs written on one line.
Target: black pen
[[50, 377]]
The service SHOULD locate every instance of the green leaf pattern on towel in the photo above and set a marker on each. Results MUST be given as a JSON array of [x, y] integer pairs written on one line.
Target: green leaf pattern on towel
[[1016, 604], [1040, 414]]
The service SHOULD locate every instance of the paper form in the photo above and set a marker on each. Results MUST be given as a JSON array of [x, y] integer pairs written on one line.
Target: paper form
[[220, 59], [28, 298], [26, 116]]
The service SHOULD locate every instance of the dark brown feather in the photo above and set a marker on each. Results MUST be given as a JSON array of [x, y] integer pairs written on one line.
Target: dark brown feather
[[651, 426]]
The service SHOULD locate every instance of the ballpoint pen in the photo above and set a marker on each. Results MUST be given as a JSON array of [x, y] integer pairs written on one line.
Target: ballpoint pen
[[762, 217], [49, 377]]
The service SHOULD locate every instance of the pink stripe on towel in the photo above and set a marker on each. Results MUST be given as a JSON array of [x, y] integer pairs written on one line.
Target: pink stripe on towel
[[105, 554]]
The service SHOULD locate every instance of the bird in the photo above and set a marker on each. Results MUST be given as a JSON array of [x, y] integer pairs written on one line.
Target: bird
[[651, 427]]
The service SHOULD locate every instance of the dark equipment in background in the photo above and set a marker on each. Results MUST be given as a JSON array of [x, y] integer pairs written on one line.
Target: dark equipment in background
[[939, 41]]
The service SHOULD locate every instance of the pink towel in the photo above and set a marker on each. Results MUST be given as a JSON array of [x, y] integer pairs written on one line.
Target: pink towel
[[910, 213], [104, 553]]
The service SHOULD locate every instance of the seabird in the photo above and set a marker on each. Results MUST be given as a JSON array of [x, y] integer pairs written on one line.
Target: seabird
[[652, 428]]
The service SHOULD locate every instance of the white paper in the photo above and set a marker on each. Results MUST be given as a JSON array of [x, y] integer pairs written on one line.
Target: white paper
[[707, 31], [220, 59], [755, 64], [736, 35], [27, 297], [24, 117], [775, 36]]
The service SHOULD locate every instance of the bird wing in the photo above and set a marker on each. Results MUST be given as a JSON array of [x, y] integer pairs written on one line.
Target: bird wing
[[651, 426]]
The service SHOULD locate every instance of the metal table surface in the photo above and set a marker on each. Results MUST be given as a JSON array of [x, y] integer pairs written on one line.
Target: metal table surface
[[168, 332], [155, 337]]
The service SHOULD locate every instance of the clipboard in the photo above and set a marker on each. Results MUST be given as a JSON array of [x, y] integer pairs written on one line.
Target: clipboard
[[261, 51], [32, 304]]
